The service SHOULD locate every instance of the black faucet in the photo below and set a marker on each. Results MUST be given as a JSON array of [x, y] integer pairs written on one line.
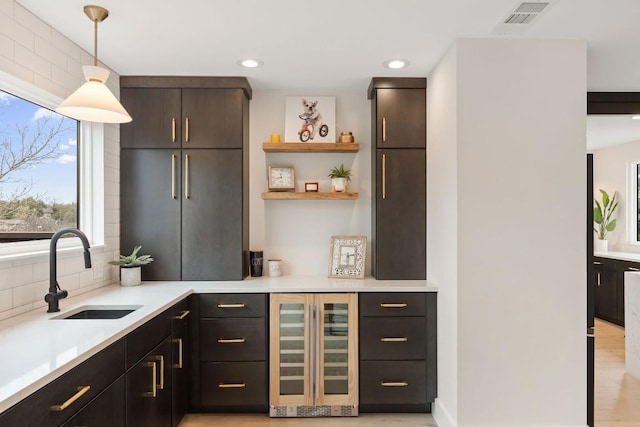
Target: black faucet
[[55, 293]]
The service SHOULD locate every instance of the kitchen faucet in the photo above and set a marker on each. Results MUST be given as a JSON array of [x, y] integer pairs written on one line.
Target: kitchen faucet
[[55, 293]]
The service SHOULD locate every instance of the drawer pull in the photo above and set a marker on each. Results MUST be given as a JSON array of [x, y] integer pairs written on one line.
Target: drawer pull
[[81, 391], [181, 316], [231, 305], [154, 386], [160, 359], [231, 341], [633, 269], [597, 263], [232, 385], [393, 305], [394, 384], [179, 364], [394, 339]]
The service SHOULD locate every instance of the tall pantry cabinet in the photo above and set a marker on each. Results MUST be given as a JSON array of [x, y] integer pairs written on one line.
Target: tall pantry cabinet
[[399, 178], [184, 175]]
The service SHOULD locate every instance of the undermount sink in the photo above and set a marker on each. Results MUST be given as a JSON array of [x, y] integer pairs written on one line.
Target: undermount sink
[[96, 312]]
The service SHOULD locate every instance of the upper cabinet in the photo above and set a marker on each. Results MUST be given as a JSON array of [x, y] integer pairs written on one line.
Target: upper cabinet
[[399, 112], [156, 116]]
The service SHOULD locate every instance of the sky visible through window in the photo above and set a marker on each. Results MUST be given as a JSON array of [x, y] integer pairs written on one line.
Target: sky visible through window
[[38, 167]]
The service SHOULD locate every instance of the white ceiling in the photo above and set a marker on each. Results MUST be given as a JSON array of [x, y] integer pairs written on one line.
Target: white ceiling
[[334, 44]]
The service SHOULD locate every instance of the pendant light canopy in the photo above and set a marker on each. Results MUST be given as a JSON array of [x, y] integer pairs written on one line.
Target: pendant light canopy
[[93, 101]]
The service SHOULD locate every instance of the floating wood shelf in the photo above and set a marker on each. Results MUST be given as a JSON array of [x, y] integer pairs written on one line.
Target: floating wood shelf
[[286, 195], [310, 147]]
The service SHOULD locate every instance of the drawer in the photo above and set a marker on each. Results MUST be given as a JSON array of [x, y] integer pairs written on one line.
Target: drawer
[[392, 383], [98, 372], [393, 338], [148, 336], [233, 305], [234, 383], [233, 340], [392, 304]]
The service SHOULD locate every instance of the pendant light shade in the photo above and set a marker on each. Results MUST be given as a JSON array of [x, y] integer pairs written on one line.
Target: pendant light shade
[[93, 101]]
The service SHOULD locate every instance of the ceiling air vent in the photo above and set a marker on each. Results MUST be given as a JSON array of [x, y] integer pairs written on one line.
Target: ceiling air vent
[[524, 13]]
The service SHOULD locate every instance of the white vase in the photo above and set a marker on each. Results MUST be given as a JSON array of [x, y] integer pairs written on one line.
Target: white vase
[[339, 185], [130, 276], [600, 245]]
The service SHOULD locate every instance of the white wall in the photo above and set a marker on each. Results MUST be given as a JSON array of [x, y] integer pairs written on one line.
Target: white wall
[[39, 55], [610, 172], [299, 231], [520, 158]]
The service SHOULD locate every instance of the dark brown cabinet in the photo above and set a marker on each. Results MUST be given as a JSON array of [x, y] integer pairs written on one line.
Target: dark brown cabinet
[[609, 287], [230, 374], [399, 178], [106, 410], [184, 180], [180, 316], [397, 339]]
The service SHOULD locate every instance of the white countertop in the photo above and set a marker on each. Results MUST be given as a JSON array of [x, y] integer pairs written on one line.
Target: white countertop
[[37, 349], [624, 256]]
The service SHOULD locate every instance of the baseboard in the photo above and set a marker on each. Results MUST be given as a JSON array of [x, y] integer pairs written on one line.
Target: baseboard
[[442, 416]]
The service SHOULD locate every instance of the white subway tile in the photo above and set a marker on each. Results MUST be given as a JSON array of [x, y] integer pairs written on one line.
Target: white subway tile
[[33, 61], [67, 46], [6, 7], [6, 46], [54, 55], [6, 300], [15, 276], [32, 22], [70, 282], [49, 85], [41, 271], [28, 294], [16, 32], [17, 70]]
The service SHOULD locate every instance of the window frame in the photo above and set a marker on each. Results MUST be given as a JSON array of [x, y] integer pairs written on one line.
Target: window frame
[[90, 177], [633, 172]]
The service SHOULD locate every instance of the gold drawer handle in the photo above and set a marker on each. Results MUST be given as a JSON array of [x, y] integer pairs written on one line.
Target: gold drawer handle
[[597, 263], [178, 365], [633, 269], [160, 359], [393, 305], [394, 339], [181, 316], [154, 386], [231, 341], [173, 129], [231, 306], [394, 384], [81, 391], [232, 385]]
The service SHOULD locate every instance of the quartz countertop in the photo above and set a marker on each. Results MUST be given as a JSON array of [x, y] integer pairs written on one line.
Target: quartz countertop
[[625, 256], [37, 349]]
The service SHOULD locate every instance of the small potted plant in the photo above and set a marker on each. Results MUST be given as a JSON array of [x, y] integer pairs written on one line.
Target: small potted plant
[[602, 216], [339, 178], [130, 267]]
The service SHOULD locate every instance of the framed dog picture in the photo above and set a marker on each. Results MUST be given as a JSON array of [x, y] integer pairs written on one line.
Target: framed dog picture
[[346, 256], [310, 119]]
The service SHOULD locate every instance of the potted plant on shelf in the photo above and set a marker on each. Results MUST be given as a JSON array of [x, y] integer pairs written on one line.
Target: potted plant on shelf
[[339, 178], [130, 267], [602, 217]]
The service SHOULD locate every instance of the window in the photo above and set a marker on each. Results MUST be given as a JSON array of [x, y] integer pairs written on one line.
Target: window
[[38, 170]]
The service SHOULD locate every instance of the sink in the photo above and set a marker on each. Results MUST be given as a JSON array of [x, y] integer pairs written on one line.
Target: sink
[[95, 312]]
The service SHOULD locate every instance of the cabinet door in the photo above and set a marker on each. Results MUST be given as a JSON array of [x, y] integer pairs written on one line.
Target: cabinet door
[[150, 209], [212, 118], [106, 410], [180, 366], [400, 215], [401, 116], [156, 118], [606, 293], [212, 215], [149, 389]]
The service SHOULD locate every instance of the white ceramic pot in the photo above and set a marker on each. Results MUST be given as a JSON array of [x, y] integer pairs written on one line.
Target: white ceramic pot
[[339, 185], [130, 276], [600, 245]]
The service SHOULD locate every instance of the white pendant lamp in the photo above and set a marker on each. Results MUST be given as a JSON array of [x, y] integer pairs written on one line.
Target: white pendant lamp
[[93, 101]]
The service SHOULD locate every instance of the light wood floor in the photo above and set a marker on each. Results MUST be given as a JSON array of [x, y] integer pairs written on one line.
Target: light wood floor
[[617, 394], [617, 397]]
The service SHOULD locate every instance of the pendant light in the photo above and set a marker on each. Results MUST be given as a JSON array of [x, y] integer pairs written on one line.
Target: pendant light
[[93, 101]]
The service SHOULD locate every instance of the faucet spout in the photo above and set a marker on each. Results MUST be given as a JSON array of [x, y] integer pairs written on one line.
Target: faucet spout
[[55, 293]]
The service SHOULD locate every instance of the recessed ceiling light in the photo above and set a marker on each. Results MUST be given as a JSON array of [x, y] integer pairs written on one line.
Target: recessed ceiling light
[[396, 63], [636, 117], [250, 63]]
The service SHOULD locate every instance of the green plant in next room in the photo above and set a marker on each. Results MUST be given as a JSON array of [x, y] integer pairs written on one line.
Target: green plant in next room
[[339, 172], [132, 260], [603, 212]]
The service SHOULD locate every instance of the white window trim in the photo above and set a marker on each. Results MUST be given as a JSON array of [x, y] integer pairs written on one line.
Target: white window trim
[[91, 179], [632, 204]]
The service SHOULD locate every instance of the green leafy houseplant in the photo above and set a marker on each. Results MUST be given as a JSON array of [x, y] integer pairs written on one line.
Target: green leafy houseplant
[[603, 212], [132, 260], [339, 172]]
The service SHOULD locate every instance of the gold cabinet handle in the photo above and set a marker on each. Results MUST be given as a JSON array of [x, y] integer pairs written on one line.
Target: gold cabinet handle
[[160, 359], [384, 129], [81, 391], [178, 341], [173, 176], [597, 263], [187, 193], [181, 316], [633, 269], [384, 176], [231, 340], [394, 339], [186, 130], [598, 279], [173, 129], [393, 305], [154, 390], [231, 306], [394, 384], [232, 385]]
